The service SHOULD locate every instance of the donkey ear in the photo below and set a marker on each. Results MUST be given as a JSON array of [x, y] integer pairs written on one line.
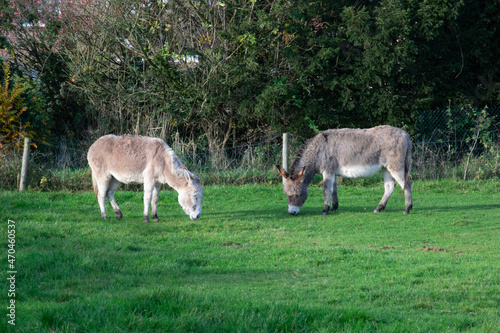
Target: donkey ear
[[282, 171], [188, 177], [301, 174]]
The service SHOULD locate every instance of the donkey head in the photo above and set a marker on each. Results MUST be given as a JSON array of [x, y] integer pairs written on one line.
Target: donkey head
[[295, 189], [191, 197]]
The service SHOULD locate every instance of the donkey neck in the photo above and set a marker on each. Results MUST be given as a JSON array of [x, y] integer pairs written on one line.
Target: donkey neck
[[176, 181]]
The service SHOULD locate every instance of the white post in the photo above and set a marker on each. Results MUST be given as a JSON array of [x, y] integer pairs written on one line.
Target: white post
[[285, 151], [24, 169]]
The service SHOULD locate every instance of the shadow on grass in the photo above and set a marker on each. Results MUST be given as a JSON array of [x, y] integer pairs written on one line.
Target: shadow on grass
[[282, 212]]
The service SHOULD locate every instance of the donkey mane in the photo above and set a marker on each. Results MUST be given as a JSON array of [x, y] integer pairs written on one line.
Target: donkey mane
[[296, 167], [306, 157], [177, 167]]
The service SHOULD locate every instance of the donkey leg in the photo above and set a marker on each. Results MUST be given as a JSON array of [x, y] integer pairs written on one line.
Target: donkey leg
[[400, 178], [102, 189], [329, 188], [154, 202], [388, 189], [148, 190], [113, 185], [408, 197], [335, 199]]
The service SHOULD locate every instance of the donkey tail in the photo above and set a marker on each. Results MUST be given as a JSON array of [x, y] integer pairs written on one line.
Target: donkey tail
[[408, 165], [94, 184]]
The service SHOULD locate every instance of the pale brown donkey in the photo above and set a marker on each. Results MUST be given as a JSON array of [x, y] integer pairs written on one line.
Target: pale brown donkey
[[128, 159]]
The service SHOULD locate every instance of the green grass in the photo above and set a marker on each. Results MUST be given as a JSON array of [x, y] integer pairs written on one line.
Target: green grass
[[248, 266]]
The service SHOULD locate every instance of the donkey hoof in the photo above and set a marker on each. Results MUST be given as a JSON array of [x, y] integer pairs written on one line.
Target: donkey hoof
[[157, 219], [146, 220], [119, 216], [325, 212]]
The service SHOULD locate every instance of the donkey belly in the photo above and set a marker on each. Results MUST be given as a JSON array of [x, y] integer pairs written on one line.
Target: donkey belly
[[358, 171], [128, 178]]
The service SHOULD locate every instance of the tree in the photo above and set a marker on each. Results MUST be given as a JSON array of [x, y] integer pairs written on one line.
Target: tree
[[220, 73], [34, 33]]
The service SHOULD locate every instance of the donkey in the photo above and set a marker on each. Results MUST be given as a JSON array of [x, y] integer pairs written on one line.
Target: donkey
[[351, 153], [127, 159]]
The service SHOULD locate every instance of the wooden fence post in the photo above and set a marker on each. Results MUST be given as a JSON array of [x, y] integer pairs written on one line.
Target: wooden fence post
[[24, 169], [285, 151]]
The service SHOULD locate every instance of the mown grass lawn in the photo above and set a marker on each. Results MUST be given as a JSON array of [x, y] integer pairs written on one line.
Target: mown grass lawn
[[248, 266]]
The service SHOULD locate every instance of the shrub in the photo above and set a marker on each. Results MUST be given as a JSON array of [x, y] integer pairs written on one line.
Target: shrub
[[11, 107]]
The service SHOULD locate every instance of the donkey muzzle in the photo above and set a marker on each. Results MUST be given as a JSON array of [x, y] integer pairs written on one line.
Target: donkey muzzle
[[194, 217], [293, 210]]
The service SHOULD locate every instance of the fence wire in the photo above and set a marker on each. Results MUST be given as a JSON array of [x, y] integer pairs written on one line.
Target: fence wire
[[253, 163], [457, 144], [446, 144]]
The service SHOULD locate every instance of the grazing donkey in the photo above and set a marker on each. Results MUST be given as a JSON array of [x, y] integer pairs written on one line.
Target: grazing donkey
[[127, 159], [351, 153]]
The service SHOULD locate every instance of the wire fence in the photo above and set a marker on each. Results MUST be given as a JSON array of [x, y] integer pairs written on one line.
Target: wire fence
[[252, 163], [461, 143], [446, 144]]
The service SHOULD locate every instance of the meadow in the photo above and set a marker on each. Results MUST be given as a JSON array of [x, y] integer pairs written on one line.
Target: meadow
[[248, 266]]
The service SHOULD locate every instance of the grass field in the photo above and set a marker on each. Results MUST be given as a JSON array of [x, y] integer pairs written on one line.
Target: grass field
[[248, 266]]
